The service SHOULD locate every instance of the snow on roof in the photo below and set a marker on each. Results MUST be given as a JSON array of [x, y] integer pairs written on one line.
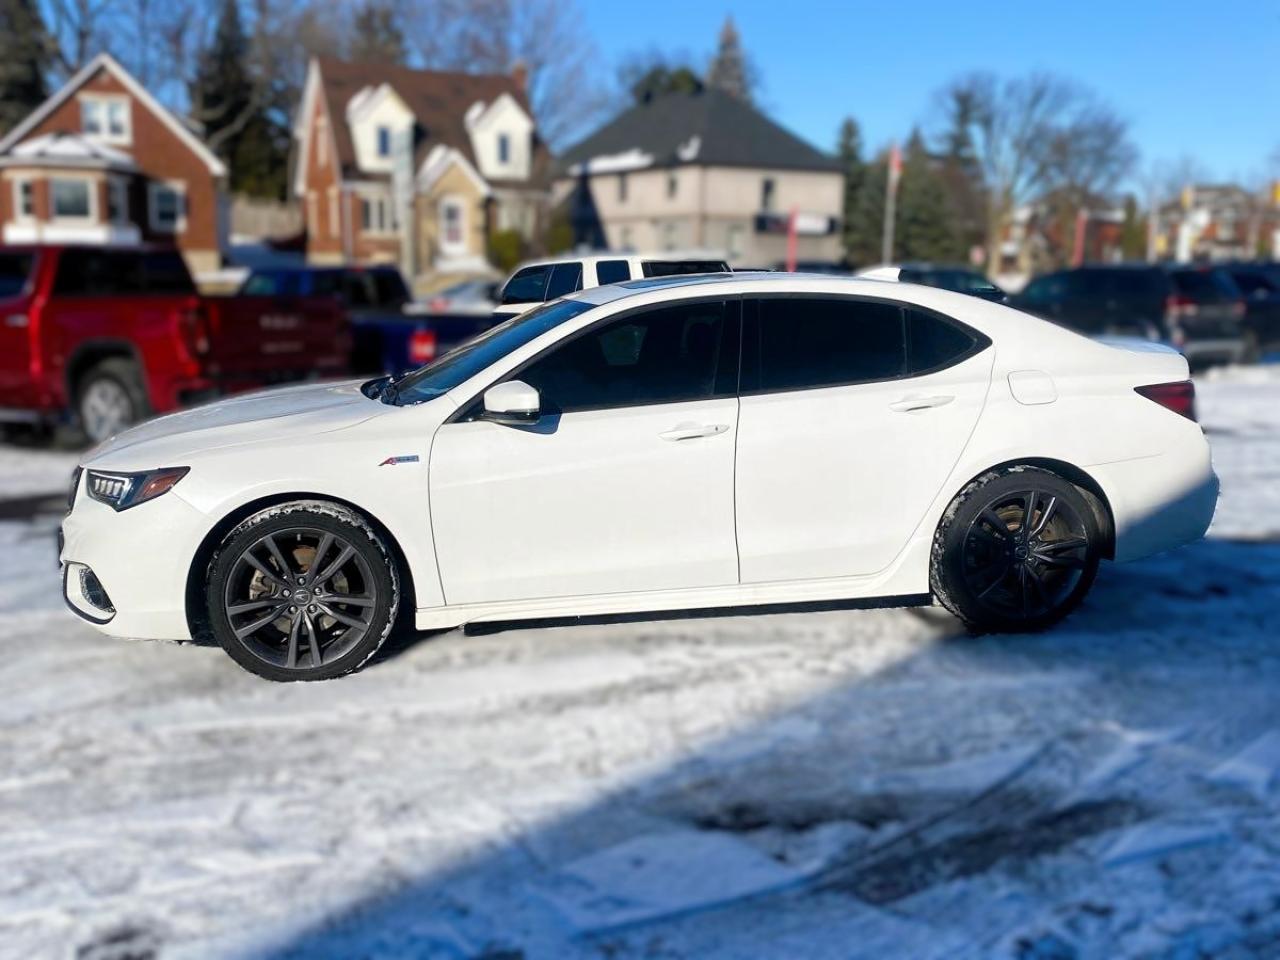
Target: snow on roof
[[633, 159], [69, 149]]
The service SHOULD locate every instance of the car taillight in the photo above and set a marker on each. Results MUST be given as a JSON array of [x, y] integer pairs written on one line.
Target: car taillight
[[422, 346], [195, 329], [1238, 309], [1177, 305], [1180, 397]]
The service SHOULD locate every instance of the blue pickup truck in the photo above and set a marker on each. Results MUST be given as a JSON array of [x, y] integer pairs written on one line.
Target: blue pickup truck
[[387, 335]]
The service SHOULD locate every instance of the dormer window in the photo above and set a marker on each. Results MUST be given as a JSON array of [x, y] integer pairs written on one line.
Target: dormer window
[[106, 118], [384, 141], [504, 149]]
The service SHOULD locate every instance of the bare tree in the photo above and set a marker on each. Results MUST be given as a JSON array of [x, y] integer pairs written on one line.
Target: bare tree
[[1036, 135], [79, 29], [493, 36]]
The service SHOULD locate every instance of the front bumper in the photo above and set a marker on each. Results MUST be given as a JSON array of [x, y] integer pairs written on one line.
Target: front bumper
[[138, 557]]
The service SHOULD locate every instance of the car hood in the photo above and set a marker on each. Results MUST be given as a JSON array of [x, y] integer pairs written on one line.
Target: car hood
[[163, 442]]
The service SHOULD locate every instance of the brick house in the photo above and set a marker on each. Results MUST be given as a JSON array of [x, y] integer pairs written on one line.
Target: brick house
[[101, 161], [415, 167]]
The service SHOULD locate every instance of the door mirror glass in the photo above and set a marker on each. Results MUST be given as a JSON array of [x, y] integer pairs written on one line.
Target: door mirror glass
[[512, 402]]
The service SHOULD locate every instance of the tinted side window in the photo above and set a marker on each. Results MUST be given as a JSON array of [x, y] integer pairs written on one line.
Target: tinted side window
[[805, 342], [527, 286], [1043, 291], [565, 278], [15, 268], [673, 268], [612, 271], [165, 272], [95, 273], [656, 356], [933, 342]]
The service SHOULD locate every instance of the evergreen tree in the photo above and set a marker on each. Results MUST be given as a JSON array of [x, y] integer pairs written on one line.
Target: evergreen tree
[[849, 151], [1133, 232], [24, 58], [232, 107], [376, 34], [925, 228], [960, 170], [864, 228], [661, 79], [728, 71]]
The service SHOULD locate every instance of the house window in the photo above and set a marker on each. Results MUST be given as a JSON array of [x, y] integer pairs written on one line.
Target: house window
[[668, 236], [384, 141], [117, 200], [734, 244], [766, 195], [624, 238], [167, 207], [106, 118], [376, 215], [622, 188], [504, 149], [71, 199], [453, 226], [672, 185], [24, 199]]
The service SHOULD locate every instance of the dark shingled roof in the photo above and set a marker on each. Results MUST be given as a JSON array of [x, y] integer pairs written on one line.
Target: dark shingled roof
[[731, 131], [439, 100]]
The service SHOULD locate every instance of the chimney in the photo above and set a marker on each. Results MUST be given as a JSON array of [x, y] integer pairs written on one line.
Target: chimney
[[520, 74]]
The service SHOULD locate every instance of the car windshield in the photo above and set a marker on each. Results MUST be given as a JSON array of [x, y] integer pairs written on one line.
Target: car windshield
[[458, 366], [14, 270]]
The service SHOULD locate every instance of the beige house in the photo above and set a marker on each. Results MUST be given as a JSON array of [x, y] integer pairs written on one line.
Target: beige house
[[706, 171], [416, 167]]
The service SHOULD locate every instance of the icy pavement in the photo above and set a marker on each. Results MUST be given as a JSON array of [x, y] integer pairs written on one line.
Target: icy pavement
[[844, 784]]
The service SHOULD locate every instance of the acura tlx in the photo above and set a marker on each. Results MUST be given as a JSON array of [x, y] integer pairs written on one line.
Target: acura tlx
[[718, 441]]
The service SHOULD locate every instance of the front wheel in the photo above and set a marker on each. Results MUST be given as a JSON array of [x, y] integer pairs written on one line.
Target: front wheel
[[302, 591], [1015, 551], [110, 399]]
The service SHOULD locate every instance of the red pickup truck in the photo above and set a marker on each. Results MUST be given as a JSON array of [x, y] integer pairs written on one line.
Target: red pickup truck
[[105, 336]]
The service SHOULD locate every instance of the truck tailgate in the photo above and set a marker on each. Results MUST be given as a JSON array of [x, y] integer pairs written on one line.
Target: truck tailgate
[[276, 335]]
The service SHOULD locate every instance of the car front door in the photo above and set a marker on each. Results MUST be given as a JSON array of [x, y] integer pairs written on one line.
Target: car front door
[[854, 412], [624, 484]]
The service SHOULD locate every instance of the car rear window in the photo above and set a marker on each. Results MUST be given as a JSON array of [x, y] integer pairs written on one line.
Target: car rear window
[[675, 268], [1205, 286], [15, 270]]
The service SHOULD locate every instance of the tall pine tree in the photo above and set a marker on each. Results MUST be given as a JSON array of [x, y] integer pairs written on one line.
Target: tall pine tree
[[925, 228], [24, 58], [849, 152], [232, 106], [376, 34], [729, 71]]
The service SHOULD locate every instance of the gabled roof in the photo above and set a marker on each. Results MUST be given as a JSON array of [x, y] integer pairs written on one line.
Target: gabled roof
[[67, 150], [438, 99], [706, 128], [104, 61]]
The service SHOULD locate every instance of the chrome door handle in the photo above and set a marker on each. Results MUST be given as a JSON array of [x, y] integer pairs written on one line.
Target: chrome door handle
[[917, 404], [690, 431]]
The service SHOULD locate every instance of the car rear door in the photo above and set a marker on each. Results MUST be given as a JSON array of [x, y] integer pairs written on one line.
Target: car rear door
[[625, 484], [854, 412], [17, 273]]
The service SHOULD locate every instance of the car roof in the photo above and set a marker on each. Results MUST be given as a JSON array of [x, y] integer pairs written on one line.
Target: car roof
[[673, 256]]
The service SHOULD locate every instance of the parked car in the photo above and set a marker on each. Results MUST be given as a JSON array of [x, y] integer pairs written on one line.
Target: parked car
[[1196, 309], [959, 279], [680, 443], [543, 280], [478, 297], [105, 336], [386, 337], [1259, 284]]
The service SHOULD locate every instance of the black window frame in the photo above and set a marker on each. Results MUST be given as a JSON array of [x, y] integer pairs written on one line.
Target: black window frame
[[749, 373], [731, 345]]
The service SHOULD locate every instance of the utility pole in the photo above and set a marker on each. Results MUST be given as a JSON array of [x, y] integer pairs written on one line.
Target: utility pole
[[890, 202]]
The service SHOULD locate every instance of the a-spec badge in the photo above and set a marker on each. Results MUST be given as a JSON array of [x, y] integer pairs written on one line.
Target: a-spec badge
[[392, 461]]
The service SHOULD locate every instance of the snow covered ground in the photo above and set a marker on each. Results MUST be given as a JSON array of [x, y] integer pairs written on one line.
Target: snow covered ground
[[844, 784]]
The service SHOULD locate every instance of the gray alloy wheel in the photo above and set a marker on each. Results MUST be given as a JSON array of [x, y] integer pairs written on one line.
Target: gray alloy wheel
[[105, 408]]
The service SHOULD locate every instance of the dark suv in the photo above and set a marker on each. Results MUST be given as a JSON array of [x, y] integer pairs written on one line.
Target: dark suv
[[1259, 282], [1196, 309]]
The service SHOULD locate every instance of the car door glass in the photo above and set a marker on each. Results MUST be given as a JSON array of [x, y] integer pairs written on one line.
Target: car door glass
[[800, 343], [565, 278], [663, 355], [934, 343], [527, 286], [612, 271]]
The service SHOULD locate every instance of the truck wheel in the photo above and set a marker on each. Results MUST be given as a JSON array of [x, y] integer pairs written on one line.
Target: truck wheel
[[110, 398]]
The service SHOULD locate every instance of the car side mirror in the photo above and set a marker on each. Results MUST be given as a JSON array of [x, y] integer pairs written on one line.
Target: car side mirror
[[513, 403]]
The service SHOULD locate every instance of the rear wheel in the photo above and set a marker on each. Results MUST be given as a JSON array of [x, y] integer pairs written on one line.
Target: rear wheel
[[1016, 551], [302, 591], [110, 398]]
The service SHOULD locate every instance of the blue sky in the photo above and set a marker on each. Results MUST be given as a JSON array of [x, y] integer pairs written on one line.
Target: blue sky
[[1194, 79]]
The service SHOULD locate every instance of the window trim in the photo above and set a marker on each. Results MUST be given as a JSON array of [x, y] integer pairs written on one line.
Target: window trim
[[470, 409], [104, 101], [18, 183], [179, 225], [92, 217], [751, 322], [448, 248], [382, 136], [504, 149]]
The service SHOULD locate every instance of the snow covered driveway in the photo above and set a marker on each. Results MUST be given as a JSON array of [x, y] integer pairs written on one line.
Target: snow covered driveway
[[843, 784]]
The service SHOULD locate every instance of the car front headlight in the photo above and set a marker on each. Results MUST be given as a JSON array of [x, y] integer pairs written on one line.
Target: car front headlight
[[120, 491]]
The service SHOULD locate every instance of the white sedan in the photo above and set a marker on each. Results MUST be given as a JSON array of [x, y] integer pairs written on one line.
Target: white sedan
[[667, 444]]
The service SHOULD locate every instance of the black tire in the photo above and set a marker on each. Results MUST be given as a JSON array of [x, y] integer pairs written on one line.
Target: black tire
[[343, 614], [117, 383], [1000, 570]]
